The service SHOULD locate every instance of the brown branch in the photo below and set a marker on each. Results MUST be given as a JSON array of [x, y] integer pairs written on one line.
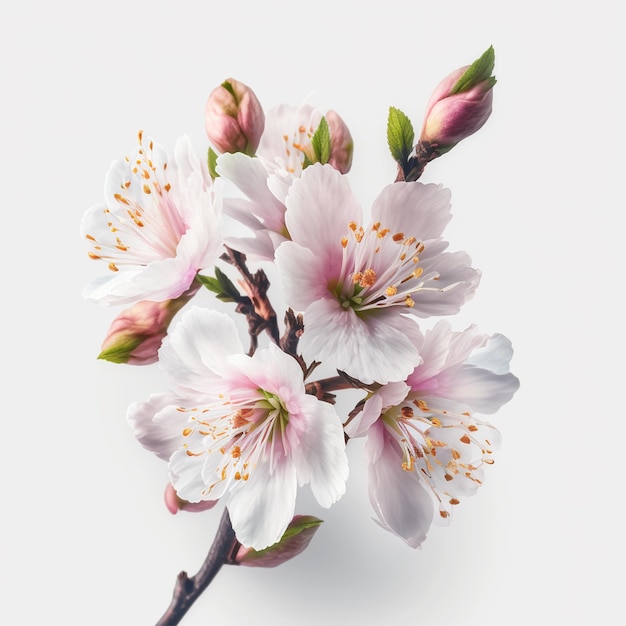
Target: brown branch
[[261, 315], [187, 590]]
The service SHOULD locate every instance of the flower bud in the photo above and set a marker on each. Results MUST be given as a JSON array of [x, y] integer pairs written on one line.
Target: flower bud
[[175, 504], [294, 541], [136, 334], [460, 104], [341, 144], [234, 118]]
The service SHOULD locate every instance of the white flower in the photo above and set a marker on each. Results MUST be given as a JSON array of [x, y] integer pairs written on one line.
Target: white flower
[[159, 226], [265, 179], [357, 284], [241, 427], [424, 443]]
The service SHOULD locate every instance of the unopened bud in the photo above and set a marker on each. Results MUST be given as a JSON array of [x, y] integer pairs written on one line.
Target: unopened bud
[[175, 504], [294, 541], [136, 334], [341, 143], [460, 104], [234, 118]]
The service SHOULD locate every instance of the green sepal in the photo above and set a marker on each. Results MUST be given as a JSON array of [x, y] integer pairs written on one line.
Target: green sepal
[[230, 90], [121, 352], [212, 163], [221, 286], [480, 70], [287, 544], [400, 135], [320, 142]]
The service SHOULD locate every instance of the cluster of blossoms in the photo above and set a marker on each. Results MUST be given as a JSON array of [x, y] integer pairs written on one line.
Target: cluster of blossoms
[[251, 426]]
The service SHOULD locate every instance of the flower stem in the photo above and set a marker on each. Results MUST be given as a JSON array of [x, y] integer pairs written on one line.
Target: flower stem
[[188, 590]]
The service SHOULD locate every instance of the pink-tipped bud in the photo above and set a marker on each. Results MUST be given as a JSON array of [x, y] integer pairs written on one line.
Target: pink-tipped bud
[[294, 541], [136, 334], [234, 118], [460, 104], [341, 143], [175, 504]]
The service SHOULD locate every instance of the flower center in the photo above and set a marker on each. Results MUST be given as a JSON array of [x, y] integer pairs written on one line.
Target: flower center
[[449, 450], [380, 269], [296, 148], [236, 435], [144, 224]]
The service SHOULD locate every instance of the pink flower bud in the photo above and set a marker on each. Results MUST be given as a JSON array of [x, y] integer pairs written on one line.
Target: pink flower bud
[[294, 541], [175, 504], [341, 144], [460, 104], [136, 334], [234, 118]]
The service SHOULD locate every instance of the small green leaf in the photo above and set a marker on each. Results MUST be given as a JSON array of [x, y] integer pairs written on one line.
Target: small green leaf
[[400, 135], [321, 142], [480, 70], [221, 286], [212, 163]]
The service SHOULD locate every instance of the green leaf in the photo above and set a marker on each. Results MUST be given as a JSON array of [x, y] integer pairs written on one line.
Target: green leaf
[[221, 286], [212, 162], [480, 70], [400, 135], [321, 142]]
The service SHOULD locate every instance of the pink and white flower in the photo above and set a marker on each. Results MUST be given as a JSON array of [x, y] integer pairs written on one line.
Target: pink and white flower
[[240, 428], [425, 446], [357, 284], [160, 225], [265, 180]]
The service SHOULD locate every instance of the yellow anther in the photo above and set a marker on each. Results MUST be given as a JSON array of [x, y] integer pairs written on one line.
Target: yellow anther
[[391, 291], [368, 279], [409, 302]]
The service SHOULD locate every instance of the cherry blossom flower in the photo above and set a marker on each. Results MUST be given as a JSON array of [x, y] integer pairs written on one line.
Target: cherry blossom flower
[[356, 284], [159, 226], [240, 427], [425, 446], [283, 153]]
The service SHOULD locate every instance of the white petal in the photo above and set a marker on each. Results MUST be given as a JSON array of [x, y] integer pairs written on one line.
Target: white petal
[[157, 425], [195, 353], [495, 355], [377, 347], [457, 283], [262, 508], [302, 274], [402, 504], [320, 205], [414, 209], [482, 390], [315, 437]]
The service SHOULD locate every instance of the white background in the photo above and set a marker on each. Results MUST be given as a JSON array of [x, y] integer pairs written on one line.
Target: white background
[[538, 202]]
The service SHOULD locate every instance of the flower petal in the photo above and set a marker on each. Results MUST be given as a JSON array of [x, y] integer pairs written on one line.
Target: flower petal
[[157, 425], [400, 501], [195, 353], [372, 349], [261, 509]]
